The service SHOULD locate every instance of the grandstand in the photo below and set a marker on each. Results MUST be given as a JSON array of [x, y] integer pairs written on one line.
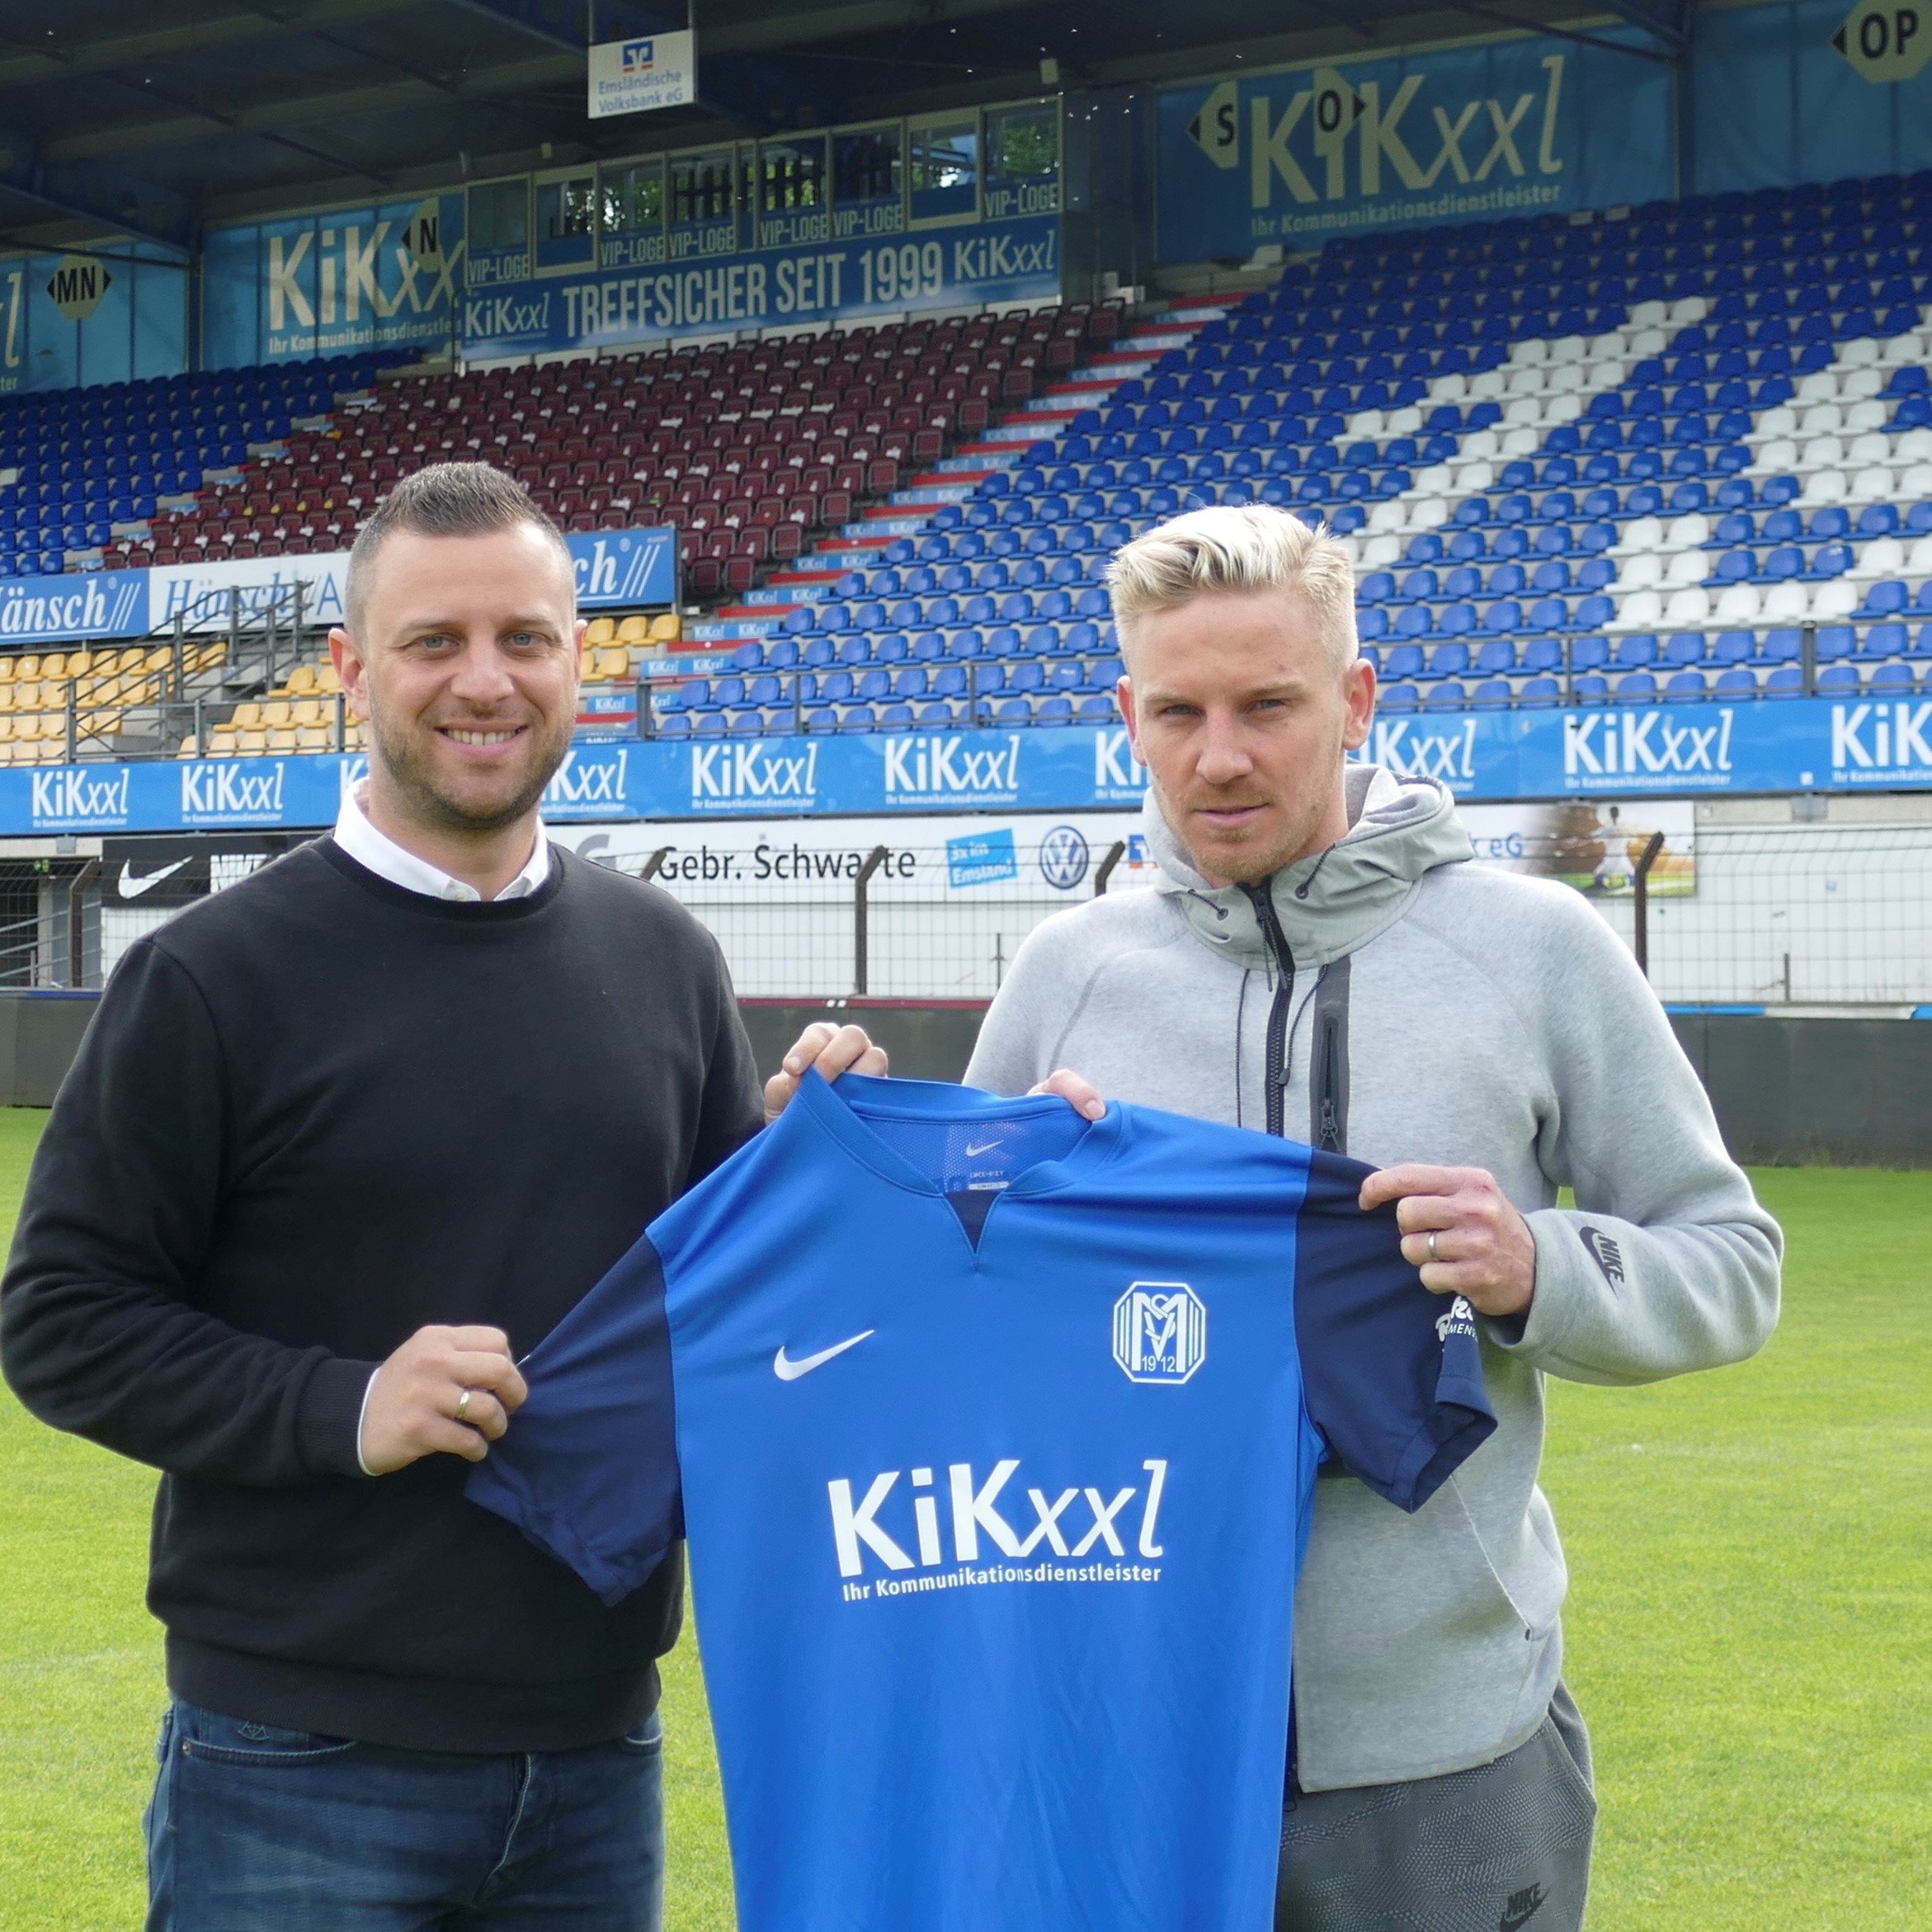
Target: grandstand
[[1679, 454], [1683, 454]]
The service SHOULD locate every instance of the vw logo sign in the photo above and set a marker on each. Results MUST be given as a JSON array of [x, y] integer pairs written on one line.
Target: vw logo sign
[[1063, 858]]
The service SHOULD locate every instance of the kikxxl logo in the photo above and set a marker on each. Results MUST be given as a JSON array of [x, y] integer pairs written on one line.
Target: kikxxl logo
[[927, 766], [1075, 1522], [590, 784], [77, 796], [220, 788], [755, 770]]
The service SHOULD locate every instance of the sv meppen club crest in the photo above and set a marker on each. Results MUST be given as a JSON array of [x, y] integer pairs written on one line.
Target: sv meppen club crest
[[1160, 1331]]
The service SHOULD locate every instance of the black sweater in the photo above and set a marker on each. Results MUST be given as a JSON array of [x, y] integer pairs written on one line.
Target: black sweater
[[311, 1115]]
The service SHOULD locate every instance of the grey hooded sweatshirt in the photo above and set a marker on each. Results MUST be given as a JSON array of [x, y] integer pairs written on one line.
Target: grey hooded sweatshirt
[[1468, 1017]]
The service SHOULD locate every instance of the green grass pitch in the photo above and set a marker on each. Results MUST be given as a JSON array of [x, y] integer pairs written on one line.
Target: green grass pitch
[[1749, 1625]]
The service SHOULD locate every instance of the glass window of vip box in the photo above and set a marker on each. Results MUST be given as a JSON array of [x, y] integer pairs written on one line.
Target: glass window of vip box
[[1023, 160], [868, 181], [632, 220], [704, 194], [498, 230], [944, 168], [795, 191], [567, 220]]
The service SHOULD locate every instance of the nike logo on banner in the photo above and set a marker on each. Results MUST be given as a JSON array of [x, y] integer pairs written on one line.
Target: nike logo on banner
[[986, 1146], [131, 887], [787, 1370]]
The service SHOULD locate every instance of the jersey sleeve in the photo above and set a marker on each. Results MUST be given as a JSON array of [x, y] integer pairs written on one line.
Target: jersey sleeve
[[587, 1469], [1393, 1374]]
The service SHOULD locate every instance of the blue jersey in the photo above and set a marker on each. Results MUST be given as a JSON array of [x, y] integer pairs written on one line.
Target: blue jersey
[[998, 1432]]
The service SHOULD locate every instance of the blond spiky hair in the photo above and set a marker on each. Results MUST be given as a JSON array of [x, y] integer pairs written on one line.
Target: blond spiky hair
[[1244, 548]]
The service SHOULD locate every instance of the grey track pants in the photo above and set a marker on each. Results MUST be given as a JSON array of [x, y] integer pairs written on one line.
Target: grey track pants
[[1503, 1847]]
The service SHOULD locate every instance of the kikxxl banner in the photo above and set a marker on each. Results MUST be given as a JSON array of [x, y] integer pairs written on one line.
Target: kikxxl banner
[[1516, 125], [1688, 750]]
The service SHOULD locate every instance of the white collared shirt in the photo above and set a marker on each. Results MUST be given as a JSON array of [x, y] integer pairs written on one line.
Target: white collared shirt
[[379, 854]]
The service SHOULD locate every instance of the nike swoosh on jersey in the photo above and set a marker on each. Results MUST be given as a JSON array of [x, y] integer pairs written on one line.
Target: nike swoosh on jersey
[[986, 1146], [787, 1370], [133, 885]]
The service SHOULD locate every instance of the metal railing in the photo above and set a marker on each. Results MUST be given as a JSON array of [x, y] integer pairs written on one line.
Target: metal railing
[[1825, 917], [158, 695]]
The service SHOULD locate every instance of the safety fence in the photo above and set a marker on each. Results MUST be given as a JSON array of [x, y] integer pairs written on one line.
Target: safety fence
[[1804, 915], [1816, 916]]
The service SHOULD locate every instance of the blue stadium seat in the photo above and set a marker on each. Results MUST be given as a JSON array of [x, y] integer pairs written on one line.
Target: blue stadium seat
[[1638, 687], [1398, 697], [1685, 687], [1540, 691], [1893, 680]]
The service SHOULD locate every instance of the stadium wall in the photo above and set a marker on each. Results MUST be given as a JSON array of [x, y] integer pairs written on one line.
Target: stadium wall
[[1787, 1092]]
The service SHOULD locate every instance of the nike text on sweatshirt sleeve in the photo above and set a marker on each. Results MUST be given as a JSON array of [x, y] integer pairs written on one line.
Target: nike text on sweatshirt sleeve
[[1667, 1264], [97, 1320]]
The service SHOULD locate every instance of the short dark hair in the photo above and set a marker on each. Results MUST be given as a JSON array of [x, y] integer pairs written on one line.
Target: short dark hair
[[443, 500]]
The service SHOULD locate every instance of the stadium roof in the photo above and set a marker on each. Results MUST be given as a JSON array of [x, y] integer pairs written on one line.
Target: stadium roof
[[150, 117]]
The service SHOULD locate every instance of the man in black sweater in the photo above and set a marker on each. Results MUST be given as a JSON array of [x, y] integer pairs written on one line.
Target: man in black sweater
[[342, 1143]]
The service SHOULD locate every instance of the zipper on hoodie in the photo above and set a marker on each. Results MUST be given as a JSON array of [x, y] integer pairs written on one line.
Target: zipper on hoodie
[[1275, 1081]]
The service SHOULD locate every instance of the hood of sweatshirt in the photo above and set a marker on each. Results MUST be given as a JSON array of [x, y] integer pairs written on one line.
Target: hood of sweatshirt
[[1331, 905]]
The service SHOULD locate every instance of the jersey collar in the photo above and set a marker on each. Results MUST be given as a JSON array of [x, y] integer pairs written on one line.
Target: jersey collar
[[835, 1108]]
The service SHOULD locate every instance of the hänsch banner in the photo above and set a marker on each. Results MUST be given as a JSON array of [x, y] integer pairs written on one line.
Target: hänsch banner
[[1795, 745], [616, 569], [1513, 126]]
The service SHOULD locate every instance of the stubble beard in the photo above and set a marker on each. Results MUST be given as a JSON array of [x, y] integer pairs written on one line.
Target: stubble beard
[[410, 769]]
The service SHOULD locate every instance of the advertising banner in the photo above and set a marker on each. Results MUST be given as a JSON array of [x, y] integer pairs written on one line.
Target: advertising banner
[[1686, 750], [632, 77], [1810, 91], [372, 277], [1047, 857], [113, 315], [616, 569], [768, 288], [1511, 126]]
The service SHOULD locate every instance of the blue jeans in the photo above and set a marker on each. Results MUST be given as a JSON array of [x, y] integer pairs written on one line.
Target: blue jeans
[[252, 1827]]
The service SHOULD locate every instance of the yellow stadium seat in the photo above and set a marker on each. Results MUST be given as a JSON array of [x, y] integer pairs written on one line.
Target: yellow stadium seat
[[601, 630], [26, 695], [252, 744], [666, 628], [54, 664], [277, 714], [302, 680], [325, 680], [159, 658], [28, 667], [190, 747], [635, 630], [281, 738], [7, 666], [247, 717], [315, 737], [80, 663], [308, 712], [221, 741]]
